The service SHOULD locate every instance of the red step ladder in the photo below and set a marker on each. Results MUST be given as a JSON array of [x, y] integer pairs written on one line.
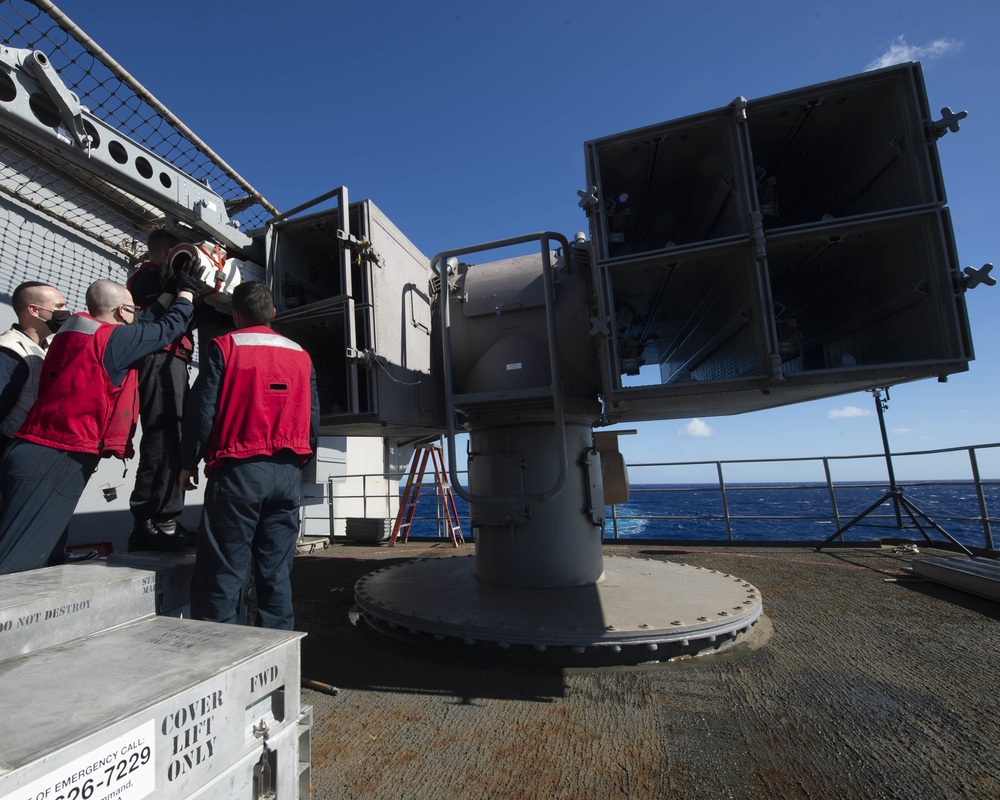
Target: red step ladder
[[411, 492]]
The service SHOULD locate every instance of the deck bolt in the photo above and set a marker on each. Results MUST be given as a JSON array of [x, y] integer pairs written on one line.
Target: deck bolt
[[609, 627], [676, 622], [723, 613], [702, 619]]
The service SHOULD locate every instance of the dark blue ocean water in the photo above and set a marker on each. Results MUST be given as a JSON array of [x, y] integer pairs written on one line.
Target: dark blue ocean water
[[780, 512], [775, 512]]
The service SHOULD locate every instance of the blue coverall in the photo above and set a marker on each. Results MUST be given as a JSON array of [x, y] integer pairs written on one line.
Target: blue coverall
[[250, 514]]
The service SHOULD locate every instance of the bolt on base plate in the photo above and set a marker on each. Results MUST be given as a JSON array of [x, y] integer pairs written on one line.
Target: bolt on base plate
[[640, 611]]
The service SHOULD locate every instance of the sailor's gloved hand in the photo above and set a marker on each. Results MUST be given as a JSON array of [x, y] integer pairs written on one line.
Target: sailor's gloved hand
[[167, 281], [187, 273]]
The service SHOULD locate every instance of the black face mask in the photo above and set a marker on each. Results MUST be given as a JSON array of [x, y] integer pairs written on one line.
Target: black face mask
[[59, 316]]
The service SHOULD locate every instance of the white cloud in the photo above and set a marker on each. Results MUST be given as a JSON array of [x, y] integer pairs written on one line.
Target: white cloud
[[697, 429], [902, 430], [848, 411], [898, 51]]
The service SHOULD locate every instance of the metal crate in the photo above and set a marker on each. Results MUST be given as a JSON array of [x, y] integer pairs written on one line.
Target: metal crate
[[161, 707], [48, 607]]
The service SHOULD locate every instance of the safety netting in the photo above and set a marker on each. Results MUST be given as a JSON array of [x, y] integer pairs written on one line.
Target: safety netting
[[88, 204]]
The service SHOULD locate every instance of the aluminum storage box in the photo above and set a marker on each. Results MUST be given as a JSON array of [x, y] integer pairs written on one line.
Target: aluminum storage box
[[158, 708], [45, 607], [173, 573]]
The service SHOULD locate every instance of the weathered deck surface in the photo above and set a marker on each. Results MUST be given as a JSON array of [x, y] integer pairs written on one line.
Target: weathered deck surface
[[867, 688]]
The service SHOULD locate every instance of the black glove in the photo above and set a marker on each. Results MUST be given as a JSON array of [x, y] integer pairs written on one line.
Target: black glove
[[167, 281], [187, 273]]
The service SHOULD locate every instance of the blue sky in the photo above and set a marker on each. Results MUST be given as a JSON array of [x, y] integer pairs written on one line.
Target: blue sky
[[465, 122]]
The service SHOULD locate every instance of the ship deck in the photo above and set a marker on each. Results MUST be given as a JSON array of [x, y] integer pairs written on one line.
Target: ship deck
[[861, 681]]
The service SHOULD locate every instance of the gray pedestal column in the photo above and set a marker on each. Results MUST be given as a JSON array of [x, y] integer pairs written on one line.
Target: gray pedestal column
[[556, 543]]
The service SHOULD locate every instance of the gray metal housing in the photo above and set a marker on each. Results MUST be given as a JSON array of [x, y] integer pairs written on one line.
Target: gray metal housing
[[775, 250], [355, 293]]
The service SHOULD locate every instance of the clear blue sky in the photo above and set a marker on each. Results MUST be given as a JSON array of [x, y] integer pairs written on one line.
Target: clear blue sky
[[465, 122]]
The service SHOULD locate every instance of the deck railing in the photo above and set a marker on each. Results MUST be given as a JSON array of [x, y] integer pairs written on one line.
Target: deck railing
[[723, 489], [723, 497]]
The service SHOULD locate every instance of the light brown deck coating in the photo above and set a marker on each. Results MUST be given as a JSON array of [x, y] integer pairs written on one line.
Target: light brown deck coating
[[867, 688]]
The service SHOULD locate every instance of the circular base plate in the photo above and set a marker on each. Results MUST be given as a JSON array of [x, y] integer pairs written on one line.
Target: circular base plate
[[640, 610]]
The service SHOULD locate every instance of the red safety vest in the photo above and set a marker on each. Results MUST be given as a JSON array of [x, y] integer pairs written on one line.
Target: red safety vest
[[183, 345], [265, 399], [78, 408]]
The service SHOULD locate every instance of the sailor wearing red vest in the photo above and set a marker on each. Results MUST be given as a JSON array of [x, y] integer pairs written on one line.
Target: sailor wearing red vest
[[86, 410], [253, 416]]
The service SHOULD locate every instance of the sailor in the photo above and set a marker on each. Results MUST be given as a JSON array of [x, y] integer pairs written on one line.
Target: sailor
[[41, 310], [253, 416], [157, 500], [86, 410]]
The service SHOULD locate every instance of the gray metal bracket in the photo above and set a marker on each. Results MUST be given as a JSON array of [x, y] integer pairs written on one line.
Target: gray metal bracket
[[38, 64], [360, 248]]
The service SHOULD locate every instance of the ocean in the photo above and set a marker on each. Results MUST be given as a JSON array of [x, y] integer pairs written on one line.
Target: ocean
[[761, 512]]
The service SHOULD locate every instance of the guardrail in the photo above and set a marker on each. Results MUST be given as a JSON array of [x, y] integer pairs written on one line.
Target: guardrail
[[728, 509]]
